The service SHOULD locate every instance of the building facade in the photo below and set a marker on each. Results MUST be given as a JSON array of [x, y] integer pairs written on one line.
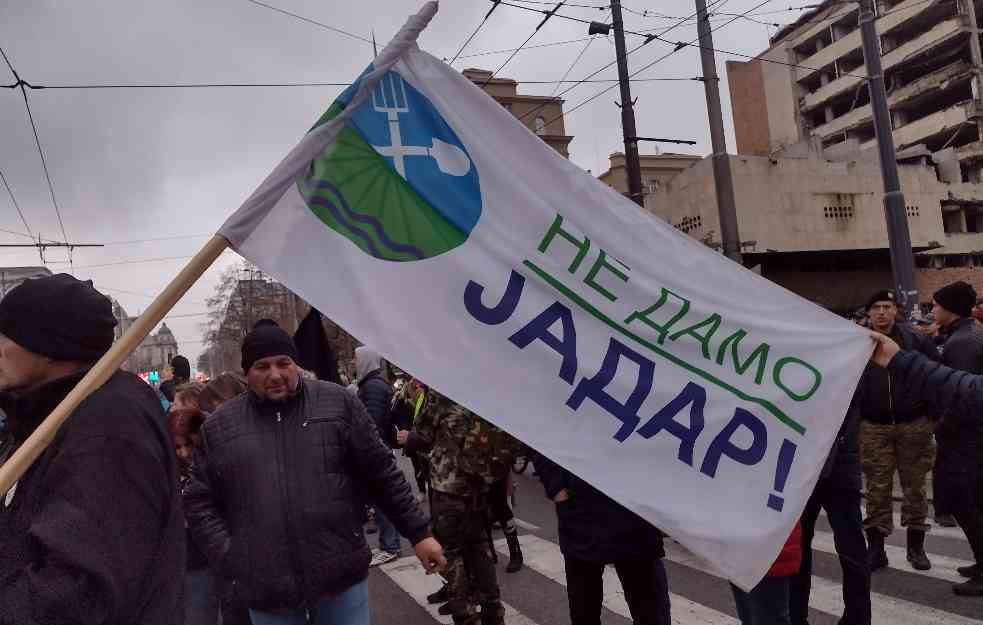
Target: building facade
[[541, 114], [657, 171]]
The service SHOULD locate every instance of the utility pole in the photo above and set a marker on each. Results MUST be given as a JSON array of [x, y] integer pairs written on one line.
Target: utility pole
[[632, 165], [723, 178], [899, 239]]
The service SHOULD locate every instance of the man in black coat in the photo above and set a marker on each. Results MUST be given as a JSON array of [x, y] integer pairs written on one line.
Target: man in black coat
[[958, 468], [278, 486], [959, 396], [93, 532], [376, 394], [895, 438], [180, 374], [838, 492], [595, 531]]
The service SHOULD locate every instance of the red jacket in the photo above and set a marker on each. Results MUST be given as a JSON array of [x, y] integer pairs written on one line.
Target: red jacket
[[790, 559]]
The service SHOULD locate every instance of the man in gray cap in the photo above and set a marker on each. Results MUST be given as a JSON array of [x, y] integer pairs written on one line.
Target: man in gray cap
[[93, 532]]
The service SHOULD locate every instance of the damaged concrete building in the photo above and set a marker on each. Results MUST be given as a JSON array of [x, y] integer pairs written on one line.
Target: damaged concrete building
[[807, 180]]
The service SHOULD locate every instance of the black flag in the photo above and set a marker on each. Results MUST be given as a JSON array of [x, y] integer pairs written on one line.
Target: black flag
[[313, 350]]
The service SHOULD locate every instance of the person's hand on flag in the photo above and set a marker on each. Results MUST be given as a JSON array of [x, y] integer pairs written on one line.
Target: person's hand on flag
[[885, 349]]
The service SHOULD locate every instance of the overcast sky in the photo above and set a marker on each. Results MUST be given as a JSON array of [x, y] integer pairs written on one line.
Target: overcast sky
[[136, 164]]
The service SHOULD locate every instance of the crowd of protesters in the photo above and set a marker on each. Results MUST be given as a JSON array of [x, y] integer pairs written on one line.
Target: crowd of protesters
[[244, 499]]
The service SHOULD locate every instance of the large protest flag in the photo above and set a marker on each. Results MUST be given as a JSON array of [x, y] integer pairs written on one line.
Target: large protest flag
[[431, 224]]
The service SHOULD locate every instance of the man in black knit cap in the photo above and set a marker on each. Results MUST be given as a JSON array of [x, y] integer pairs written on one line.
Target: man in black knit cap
[[93, 532], [960, 442], [277, 491], [180, 374]]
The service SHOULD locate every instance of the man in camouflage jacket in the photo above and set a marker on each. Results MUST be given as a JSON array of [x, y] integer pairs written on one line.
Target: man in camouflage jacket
[[459, 501]]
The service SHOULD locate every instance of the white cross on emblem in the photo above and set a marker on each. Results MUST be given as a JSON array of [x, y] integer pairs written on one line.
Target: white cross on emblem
[[389, 97]]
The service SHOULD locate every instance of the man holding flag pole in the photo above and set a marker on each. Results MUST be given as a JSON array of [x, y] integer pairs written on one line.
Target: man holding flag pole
[[654, 365]]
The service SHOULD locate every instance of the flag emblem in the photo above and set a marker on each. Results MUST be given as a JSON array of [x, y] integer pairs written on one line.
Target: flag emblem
[[397, 182]]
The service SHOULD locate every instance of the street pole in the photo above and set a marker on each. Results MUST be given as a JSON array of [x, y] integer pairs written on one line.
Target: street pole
[[723, 178], [632, 164], [899, 239]]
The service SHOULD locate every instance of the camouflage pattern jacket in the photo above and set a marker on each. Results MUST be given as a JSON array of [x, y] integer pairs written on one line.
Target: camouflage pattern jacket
[[441, 429]]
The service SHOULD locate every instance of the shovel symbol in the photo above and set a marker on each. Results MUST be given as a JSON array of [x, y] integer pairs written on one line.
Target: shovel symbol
[[389, 98]]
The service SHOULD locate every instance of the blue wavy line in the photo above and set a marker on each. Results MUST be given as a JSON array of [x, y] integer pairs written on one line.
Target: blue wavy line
[[325, 203], [375, 224]]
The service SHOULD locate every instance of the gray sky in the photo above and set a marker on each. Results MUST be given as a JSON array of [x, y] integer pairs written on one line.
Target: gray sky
[[136, 164]]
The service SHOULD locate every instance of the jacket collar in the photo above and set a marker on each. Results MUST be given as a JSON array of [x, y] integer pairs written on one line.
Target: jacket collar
[[267, 407], [26, 410], [959, 324]]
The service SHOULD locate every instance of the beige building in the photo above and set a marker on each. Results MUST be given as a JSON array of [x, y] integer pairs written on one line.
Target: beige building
[[11, 277], [154, 353], [541, 114], [657, 171]]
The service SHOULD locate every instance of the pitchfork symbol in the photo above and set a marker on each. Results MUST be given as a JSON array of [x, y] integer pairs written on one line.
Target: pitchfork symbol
[[389, 97]]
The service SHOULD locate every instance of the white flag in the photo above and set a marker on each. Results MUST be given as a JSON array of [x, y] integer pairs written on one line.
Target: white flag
[[426, 220]]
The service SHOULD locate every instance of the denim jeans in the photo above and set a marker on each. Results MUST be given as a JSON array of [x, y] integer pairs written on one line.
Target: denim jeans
[[388, 536], [766, 604], [349, 608], [201, 602]]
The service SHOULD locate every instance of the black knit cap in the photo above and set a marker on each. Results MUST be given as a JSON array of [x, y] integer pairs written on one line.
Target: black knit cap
[[266, 341], [59, 317], [958, 297], [885, 295]]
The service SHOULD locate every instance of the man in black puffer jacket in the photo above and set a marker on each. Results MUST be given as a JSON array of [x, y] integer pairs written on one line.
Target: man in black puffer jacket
[[376, 394], [959, 397], [595, 531], [93, 532], [277, 490]]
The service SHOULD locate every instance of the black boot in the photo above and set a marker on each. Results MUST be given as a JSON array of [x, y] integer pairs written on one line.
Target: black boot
[[916, 550], [876, 556], [972, 588], [515, 552], [441, 596], [973, 570], [492, 614]]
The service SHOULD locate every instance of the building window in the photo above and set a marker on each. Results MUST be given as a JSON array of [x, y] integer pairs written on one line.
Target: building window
[[838, 212], [540, 126], [651, 186]]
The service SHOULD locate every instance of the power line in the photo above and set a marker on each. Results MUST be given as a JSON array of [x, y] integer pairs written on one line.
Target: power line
[[572, 65], [474, 32], [156, 239], [310, 21], [37, 141], [526, 49], [547, 14], [135, 261], [183, 85], [16, 205], [677, 47]]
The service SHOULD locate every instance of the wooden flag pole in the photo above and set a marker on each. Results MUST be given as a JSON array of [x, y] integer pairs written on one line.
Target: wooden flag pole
[[34, 446]]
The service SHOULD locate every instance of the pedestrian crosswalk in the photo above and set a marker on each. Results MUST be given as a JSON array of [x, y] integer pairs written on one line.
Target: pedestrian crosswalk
[[899, 594]]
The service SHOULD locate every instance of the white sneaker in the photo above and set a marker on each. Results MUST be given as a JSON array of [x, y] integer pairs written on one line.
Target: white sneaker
[[381, 557]]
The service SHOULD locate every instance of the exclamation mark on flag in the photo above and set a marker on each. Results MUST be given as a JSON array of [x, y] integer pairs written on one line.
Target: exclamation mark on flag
[[785, 457]]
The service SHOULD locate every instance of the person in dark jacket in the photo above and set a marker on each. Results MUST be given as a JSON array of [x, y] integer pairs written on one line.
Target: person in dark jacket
[[180, 374], [896, 436], [93, 532], [376, 394], [838, 492], [596, 531], [957, 471], [277, 490], [959, 396]]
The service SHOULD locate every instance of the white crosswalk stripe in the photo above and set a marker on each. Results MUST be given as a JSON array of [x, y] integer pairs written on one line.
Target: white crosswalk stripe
[[943, 567], [409, 575], [544, 557], [937, 530], [827, 597]]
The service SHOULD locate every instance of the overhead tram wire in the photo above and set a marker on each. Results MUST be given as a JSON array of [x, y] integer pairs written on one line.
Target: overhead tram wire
[[678, 46], [310, 21], [546, 18], [474, 32], [16, 205], [587, 78], [525, 49], [37, 141]]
